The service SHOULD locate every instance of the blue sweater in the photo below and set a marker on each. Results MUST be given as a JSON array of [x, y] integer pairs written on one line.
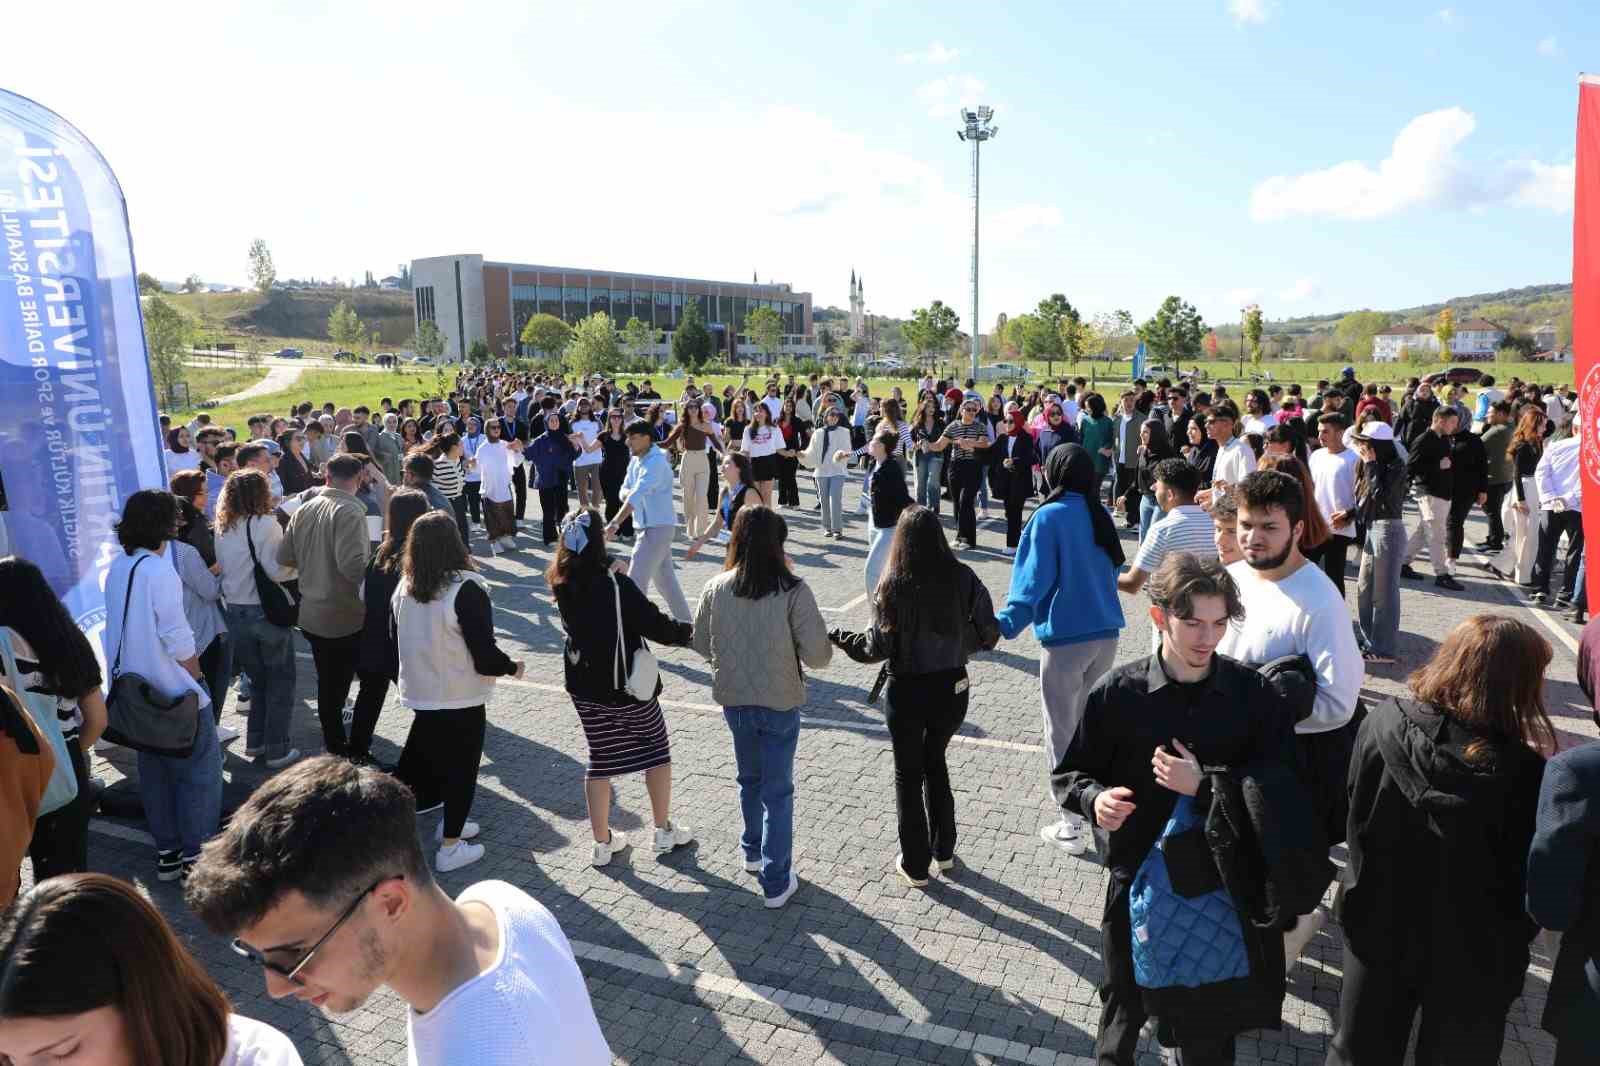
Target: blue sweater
[[1062, 583]]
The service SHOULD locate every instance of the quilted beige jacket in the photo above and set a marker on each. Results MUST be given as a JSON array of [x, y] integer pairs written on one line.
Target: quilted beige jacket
[[757, 647]]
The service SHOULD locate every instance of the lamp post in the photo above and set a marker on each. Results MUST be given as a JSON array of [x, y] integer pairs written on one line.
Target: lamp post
[[976, 129], [1244, 313]]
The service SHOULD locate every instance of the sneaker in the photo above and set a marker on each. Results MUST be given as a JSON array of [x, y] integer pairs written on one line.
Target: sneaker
[[1295, 940], [186, 865], [469, 830], [751, 866], [226, 734], [673, 836], [1409, 574], [945, 865], [774, 902], [900, 868], [241, 701], [292, 755], [251, 753], [1008, 552], [1540, 599], [1070, 837], [507, 544], [429, 810], [494, 548], [349, 713], [1445, 581], [721, 537], [169, 865], [457, 856], [602, 853]]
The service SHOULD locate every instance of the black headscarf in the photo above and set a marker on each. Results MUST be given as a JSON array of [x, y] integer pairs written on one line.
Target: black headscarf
[[1069, 468]]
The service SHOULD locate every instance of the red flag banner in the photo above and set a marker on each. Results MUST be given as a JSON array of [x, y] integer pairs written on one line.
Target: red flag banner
[[1586, 314]]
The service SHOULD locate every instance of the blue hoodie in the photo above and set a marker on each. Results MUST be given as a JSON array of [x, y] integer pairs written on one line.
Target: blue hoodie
[[1062, 582]]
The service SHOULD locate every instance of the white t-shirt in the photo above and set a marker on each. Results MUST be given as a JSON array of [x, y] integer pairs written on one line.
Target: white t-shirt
[[1234, 462], [1259, 424], [590, 430], [1301, 615], [1333, 479], [530, 1008], [253, 1043]]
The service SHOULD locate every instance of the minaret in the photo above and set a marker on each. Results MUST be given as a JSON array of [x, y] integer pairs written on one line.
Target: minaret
[[857, 324]]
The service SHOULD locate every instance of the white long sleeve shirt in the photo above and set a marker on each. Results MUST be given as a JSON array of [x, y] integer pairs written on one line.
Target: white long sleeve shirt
[[157, 637], [1558, 475], [495, 461]]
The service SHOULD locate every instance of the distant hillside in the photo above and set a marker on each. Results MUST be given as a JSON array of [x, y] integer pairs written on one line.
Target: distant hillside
[[1524, 308], [299, 314]]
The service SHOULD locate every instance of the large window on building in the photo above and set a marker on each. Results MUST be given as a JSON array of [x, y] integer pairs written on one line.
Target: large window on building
[[575, 301], [550, 300], [641, 307], [424, 304], [621, 306], [599, 300], [738, 313], [663, 305], [705, 308]]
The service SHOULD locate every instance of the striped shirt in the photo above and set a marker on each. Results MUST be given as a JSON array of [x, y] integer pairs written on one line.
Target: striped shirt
[[1185, 528], [959, 430], [447, 476]]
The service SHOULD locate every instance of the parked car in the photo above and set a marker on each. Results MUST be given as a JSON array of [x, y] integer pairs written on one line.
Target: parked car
[[1003, 372], [423, 360], [384, 359], [1456, 375], [290, 353]]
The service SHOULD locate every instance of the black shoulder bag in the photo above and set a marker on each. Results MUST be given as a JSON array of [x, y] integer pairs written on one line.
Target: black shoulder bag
[[141, 717], [280, 603]]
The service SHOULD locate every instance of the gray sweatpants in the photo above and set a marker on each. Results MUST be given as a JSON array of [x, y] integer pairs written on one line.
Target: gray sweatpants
[[1066, 673], [652, 561]]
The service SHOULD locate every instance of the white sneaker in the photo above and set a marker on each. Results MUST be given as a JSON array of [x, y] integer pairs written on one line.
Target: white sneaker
[[1070, 837], [226, 734], [507, 544], [1306, 926], [292, 755], [1008, 552], [673, 836], [900, 868], [721, 537], [945, 865], [469, 830], [494, 548], [602, 853], [454, 858], [750, 867], [774, 902], [349, 713]]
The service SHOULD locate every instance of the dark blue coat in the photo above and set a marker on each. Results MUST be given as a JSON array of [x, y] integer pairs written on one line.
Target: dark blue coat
[[1564, 894], [551, 455]]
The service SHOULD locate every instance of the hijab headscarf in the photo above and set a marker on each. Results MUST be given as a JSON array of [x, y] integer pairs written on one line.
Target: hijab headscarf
[[1018, 424], [1068, 468]]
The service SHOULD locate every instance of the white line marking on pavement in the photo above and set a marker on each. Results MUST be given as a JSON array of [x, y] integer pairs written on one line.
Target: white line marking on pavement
[[853, 603], [1510, 590]]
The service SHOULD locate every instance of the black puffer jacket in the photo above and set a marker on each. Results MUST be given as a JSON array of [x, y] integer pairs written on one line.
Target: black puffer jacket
[[588, 606], [915, 645]]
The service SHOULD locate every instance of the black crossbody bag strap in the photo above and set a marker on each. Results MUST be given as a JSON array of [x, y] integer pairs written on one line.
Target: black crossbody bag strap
[[127, 601]]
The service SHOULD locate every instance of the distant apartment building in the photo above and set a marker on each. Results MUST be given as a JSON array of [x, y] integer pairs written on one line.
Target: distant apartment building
[[472, 299], [1544, 338], [1476, 338]]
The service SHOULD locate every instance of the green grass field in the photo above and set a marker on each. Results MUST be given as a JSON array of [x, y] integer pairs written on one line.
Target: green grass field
[[346, 388], [1227, 371], [206, 382]]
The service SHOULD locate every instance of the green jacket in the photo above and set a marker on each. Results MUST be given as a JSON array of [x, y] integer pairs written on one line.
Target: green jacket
[[1097, 434], [327, 542], [1496, 439]]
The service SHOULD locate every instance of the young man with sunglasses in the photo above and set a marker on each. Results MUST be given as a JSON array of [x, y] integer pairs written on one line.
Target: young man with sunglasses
[[322, 882]]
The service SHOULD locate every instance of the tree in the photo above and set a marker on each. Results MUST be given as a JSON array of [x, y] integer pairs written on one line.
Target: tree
[[1052, 311], [262, 272], [1175, 332], [478, 353], [1076, 335], [1355, 331], [547, 334], [932, 328], [1445, 330], [344, 328], [691, 341], [1252, 332], [427, 342], [999, 339], [594, 347], [192, 283], [166, 336], [827, 340], [764, 327], [149, 285], [638, 337]]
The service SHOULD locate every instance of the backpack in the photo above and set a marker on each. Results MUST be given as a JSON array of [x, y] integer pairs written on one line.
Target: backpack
[[1186, 929]]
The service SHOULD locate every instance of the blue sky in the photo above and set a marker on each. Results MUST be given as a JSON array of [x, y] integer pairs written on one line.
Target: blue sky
[[1225, 151]]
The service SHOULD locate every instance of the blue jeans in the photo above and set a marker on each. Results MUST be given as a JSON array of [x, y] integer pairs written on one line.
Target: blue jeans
[[830, 490], [764, 740], [878, 541], [1378, 587], [929, 466], [266, 653], [183, 797], [1149, 513]]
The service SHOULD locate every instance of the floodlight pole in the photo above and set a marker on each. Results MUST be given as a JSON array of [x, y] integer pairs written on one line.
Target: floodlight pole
[[976, 129]]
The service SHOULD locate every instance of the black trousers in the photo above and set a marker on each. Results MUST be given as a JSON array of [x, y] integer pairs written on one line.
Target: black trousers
[[1455, 527], [552, 509], [60, 843], [519, 489], [458, 505], [1122, 1012], [612, 488], [1334, 553], [1377, 1005], [1016, 500], [965, 477], [474, 493], [335, 659], [212, 661], [440, 761], [712, 490], [1125, 491], [924, 712], [788, 487], [1491, 507], [1554, 525]]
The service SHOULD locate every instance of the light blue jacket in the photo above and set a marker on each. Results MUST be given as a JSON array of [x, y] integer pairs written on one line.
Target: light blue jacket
[[648, 486], [1062, 583]]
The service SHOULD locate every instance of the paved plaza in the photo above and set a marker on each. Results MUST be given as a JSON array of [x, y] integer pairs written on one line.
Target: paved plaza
[[997, 962]]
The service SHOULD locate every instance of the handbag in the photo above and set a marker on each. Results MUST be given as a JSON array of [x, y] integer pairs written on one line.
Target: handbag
[[280, 603], [1185, 928], [140, 716], [63, 788], [643, 675]]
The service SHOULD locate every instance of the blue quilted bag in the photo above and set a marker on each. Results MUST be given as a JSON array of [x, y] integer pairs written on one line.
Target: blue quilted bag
[[1182, 941]]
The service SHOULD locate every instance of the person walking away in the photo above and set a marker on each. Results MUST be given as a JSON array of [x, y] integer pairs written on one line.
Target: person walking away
[[1432, 474], [625, 734], [495, 460], [147, 634], [1380, 525], [822, 456], [328, 844], [53, 658], [758, 625], [889, 499], [1014, 475], [927, 437], [1292, 609], [444, 632], [929, 614], [1521, 513], [968, 445], [1063, 583], [1497, 430], [1560, 487], [1147, 728], [1443, 789], [614, 467], [586, 467], [1469, 486], [647, 496], [693, 438], [328, 543], [1333, 477], [378, 661]]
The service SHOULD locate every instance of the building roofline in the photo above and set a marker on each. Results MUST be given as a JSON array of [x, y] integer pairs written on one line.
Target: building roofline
[[775, 288]]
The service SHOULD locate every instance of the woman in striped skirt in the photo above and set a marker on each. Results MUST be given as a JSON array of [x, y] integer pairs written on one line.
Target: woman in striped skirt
[[625, 734]]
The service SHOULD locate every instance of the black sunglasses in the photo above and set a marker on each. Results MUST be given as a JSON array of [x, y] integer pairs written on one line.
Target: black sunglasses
[[292, 973]]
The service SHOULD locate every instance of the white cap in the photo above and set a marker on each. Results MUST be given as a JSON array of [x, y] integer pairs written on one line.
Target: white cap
[[1376, 431]]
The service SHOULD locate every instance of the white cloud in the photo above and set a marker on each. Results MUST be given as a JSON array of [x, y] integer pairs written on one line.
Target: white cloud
[[1422, 169], [936, 54], [1242, 297], [1448, 16], [1304, 289], [943, 96], [1249, 10], [1549, 47], [1012, 223]]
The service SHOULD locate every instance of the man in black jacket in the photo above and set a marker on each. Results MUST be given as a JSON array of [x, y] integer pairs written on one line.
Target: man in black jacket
[[1469, 488], [1432, 474], [1416, 415], [1148, 728]]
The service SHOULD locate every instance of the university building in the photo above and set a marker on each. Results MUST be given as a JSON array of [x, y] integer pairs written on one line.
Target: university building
[[472, 299]]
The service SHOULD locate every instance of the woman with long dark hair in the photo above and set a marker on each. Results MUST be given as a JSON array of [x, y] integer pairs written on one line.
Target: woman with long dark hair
[[757, 623], [444, 633], [1016, 456], [614, 467], [449, 474], [788, 456], [761, 443], [1380, 506], [886, 487], [929, 613], [54, 657], [1444, 786], [625, 734], [1520, 512], [378, 661], [739, 493], [292, 468], [1154, 447], [90, 972], [927, 439]]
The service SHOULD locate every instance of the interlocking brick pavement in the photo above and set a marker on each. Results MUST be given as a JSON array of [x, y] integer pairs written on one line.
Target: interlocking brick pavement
[[996, 963]]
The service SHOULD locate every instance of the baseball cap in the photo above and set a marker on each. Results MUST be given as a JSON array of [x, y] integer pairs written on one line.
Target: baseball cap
[[273, 448], [1376, 431]]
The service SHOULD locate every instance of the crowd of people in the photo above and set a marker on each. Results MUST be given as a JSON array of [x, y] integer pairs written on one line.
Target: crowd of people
[[1212, 775]]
